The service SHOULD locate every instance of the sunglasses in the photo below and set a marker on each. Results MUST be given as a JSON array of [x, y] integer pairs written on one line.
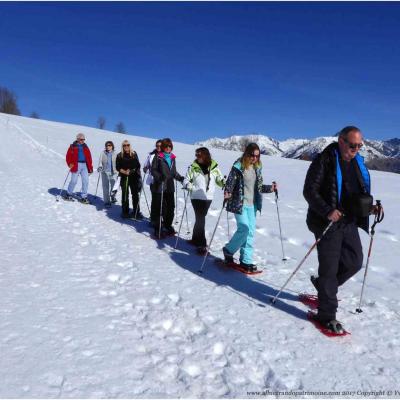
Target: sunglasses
[[252, 155], [126, 145], [168, 146], [81, 140], [198, 154], [353, 146]]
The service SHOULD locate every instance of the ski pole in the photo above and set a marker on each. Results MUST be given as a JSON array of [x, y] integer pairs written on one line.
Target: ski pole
[[145, 197], [378, 218], [97, 186], [212, 237], [302, 261], [99, 172], [59, 194], [180, 225], [279, 221], [176, 202], [186, 212], [161, 209], [227, 221], [140, 195]]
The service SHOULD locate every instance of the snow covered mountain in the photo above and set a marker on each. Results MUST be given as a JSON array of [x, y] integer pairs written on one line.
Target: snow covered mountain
[[378, 154], [92, 307]]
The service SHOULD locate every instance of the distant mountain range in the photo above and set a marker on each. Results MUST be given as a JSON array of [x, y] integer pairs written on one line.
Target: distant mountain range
[[382, 155]]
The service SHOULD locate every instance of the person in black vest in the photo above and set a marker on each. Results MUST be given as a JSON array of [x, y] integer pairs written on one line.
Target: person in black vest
[[337, 188], [163, 170], [128, 166]]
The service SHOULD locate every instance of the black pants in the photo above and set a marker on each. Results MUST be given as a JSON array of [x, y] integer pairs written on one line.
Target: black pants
[[340, 257], [168, 209], [153, 209], [129, 183], [200, 211]]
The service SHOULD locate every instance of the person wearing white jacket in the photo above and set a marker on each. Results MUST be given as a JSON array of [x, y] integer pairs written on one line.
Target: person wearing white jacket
[[201, 180], [108, 171]]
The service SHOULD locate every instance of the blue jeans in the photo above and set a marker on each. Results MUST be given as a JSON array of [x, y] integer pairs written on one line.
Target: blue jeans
[[244, 236], [83, 172]]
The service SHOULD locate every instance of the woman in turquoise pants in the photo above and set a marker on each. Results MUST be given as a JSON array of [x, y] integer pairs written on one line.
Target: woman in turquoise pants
[[243, 190]]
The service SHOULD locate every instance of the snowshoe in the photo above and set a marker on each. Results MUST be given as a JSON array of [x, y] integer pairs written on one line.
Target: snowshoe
[[309, 300], [236, 266]]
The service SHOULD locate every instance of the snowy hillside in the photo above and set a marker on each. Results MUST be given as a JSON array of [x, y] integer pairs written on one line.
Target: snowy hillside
[[91, 306]]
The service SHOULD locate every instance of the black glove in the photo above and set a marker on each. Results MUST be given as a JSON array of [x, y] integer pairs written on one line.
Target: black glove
[[181, 179], [266, 189]]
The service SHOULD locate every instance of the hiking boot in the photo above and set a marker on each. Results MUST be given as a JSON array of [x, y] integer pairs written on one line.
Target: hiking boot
[[314, 281], [158, 233], [227, 256], [84, 200], [334, 326], [248, 267], [68, 197], [124, 215], [107, 205], [170, 230], [201, 250]]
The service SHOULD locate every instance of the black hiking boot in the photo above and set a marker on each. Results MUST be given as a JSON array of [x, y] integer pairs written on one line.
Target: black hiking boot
[[248, 267], [68, 197], [84, 200], [227, 256], [202, 250]]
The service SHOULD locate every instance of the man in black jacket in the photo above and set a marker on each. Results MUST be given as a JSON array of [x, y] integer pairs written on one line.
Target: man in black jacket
[[337, 188]]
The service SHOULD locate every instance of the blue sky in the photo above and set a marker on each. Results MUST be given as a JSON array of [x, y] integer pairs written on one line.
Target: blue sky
[[197, 70]]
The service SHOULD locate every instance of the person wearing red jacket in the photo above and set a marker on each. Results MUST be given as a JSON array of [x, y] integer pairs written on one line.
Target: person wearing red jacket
[[79, 161]]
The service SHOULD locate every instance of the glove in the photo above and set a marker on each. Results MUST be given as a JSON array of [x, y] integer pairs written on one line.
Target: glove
[[100, 169], [267, 189], [181, 179]]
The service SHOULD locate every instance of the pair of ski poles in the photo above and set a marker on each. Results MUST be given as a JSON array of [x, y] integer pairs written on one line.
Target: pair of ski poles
[[379, 215]]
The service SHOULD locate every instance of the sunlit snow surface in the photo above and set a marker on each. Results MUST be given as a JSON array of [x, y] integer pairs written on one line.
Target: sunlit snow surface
[[91, 306]]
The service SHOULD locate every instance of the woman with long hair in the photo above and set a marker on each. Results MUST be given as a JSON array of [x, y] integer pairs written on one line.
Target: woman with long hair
[[163, 170], [128, 166], [107, 169], [243, 198], [201, 180]]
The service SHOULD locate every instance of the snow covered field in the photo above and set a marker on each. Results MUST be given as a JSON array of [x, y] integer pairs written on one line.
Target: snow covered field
[[92, 307]]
